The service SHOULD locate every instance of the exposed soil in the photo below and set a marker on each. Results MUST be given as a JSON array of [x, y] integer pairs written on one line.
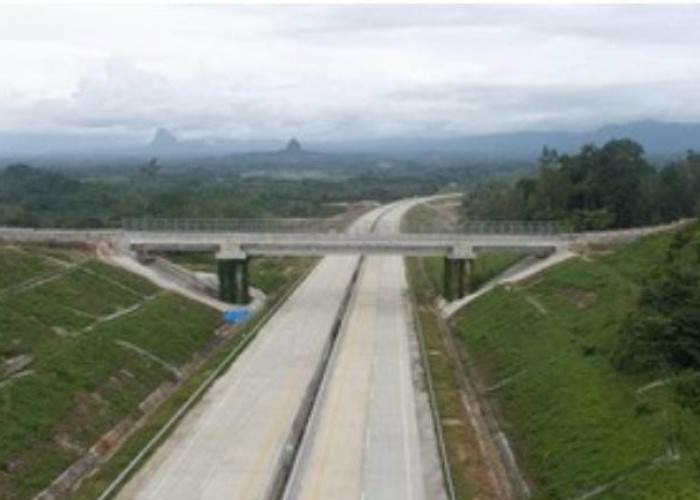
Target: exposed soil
[[580, 299]]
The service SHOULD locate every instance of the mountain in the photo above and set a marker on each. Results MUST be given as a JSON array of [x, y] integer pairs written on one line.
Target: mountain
[[660, 139], [656, 137], [293, 146], [164, 139]]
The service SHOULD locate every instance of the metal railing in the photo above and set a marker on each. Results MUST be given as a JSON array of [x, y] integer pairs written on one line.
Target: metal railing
[[327, 226], [234, 225]]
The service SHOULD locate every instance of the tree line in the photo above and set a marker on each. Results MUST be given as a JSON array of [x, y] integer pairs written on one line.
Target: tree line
[[611, 186], [37, 197]]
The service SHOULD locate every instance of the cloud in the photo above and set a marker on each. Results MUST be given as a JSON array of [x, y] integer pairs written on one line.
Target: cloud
[[331, 71]]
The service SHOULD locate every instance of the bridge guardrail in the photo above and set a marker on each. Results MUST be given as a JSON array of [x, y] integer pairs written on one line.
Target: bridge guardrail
[[317, 226]]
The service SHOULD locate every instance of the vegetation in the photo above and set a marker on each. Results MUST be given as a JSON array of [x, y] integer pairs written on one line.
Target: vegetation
[[611, 186], [541, 352], [101, 197], [662, 335], [81, 345]]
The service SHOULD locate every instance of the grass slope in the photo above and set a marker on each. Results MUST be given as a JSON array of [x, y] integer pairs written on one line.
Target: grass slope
[[64, 380], [542, 349]]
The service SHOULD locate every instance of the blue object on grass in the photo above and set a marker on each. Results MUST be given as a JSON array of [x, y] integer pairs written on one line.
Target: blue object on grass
[[236, 315]]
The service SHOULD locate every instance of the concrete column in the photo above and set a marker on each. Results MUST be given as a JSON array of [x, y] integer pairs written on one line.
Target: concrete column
[[454, 282], [447, 280], [458, 266], [468, 272], [232, 267], [242, 292]]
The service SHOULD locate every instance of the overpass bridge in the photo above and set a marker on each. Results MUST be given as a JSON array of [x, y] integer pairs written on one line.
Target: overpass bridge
[[235, 240]]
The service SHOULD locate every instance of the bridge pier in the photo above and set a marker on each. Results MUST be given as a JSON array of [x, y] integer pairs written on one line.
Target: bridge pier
[[232, 268], [457, 270]]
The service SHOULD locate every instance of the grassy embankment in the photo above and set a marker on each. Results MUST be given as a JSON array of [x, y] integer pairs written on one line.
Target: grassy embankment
[[541, 351], [69, 371]]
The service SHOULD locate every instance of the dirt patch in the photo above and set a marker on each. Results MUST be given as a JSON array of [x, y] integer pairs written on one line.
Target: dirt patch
[[64, 441], [580, 299], [447, 210], [16, 364]]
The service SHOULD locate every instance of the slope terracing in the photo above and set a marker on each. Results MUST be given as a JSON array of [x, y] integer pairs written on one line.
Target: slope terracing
[[82, 347]]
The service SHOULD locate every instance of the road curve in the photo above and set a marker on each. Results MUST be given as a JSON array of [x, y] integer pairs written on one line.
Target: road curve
[[230, 445], [370, 436]]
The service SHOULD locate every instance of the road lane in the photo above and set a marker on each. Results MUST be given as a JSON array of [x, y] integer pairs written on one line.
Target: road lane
[[366, 438], [229, 446]]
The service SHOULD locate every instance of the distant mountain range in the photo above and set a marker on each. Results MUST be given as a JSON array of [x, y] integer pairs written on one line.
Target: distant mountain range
[[658, 139]]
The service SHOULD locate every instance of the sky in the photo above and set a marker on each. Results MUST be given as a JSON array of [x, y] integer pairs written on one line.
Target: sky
[[344, 72]]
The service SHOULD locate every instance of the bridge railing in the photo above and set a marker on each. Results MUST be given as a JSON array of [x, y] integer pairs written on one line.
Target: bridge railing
[[286, 225], [326, 226], [486, 227]]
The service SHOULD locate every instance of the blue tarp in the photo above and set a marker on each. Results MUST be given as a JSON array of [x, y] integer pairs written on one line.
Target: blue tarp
[[236, 315]]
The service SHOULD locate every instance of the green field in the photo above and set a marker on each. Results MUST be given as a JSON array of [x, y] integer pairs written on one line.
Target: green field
[[541, 352], [66, 375]]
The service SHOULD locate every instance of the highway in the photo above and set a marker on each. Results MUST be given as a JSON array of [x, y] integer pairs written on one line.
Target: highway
[[370, 436], [231, 444]]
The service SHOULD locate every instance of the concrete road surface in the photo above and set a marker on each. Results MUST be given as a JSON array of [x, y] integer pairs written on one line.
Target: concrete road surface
[[229, 446], [370, 436]]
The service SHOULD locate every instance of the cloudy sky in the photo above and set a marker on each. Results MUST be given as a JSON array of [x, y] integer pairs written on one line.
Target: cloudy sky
[[328, 72]]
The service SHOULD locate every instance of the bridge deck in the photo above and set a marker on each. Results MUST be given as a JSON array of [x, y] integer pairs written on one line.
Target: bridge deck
[[340, 243]]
